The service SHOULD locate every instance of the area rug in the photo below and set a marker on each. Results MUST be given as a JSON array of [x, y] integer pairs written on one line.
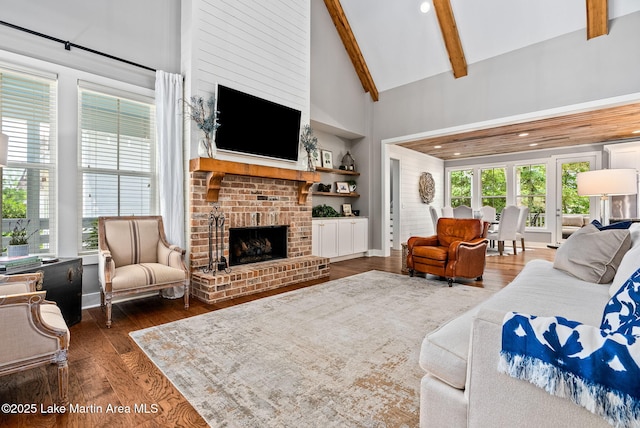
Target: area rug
[[339, 354]]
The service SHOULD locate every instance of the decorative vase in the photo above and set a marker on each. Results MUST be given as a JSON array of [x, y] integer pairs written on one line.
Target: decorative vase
[[206, 148], [310, 164], [18, 250], [352, 187]]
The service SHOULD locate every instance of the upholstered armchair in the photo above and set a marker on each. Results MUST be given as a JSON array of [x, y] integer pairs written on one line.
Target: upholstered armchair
[[33, 331], [457, 250], [135, 257]]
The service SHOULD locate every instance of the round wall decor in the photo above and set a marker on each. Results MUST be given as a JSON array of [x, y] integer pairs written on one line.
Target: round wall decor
[[427, 187]]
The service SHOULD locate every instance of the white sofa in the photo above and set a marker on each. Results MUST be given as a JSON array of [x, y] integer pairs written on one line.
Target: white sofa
[[462, 386]]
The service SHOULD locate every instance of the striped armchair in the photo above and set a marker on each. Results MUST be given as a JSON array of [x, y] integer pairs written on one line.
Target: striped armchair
[[135, 257], [33, 332]]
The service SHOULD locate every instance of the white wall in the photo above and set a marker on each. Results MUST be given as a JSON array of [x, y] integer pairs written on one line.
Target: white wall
[[337, 97], [142, 31], [261, 48], [413, 214], [563, 71]]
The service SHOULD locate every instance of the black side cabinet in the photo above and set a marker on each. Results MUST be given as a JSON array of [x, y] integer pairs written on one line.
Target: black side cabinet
[[62, 280]]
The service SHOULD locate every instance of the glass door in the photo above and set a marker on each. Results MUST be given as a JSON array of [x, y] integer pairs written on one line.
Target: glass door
[[572, 211]]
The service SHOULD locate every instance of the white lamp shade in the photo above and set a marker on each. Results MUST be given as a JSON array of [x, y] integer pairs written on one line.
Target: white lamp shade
[[4, 149], [608, 182]]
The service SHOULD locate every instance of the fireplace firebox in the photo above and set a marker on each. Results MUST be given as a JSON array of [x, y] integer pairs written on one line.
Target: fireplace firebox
[[257, 244]]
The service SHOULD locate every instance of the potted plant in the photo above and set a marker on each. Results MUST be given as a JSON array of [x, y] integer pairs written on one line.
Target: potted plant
[[310, 144], [19, 239], [205, 115]]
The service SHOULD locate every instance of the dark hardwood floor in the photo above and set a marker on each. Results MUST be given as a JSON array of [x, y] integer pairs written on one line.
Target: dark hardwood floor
[[107, 368]]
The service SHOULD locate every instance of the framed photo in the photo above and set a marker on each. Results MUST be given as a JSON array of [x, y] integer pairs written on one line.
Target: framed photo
[[316, 158], [346, 210], [342, 187], [327, 159]]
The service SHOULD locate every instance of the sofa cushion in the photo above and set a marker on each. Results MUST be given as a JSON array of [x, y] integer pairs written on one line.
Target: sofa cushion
[[622, 313], [434, 253], [134, 276], [630, 262], [593, 255], [538, 289]]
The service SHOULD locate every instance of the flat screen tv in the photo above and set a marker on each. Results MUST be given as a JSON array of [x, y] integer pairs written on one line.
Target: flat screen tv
[[253, 125]]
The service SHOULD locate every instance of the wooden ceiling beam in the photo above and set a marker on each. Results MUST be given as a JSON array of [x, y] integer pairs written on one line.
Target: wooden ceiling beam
[[597, 18], [449, 30], [351, 45]]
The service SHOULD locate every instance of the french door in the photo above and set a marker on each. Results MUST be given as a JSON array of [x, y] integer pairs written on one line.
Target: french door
[[572, 210]]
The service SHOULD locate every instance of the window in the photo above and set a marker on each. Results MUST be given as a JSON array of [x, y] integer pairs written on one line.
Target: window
[[494, 188], [531, 191], [461, 182], [28, 117], [117, 155]]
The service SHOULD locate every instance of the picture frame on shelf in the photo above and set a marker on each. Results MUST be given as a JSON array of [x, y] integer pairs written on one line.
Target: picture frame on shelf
[[346, 210], [327, 159], [317, 161], [342, 187]]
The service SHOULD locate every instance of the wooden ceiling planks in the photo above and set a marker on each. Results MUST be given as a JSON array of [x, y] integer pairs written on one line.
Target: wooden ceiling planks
[[597, 18], [598, 126], [449, 29], [351, 45]]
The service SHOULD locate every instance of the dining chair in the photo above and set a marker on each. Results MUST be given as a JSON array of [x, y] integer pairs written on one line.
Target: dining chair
[[434, 216], [447, 212], [507, 228], [488, 213], [522, 223], [462, 211]]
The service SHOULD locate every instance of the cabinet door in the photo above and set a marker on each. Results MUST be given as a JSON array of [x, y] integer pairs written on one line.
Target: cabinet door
[[345, 237], [360, 235], [328, 238]]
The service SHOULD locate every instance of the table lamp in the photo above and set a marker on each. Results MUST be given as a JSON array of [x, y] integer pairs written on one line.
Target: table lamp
[[605, 183]]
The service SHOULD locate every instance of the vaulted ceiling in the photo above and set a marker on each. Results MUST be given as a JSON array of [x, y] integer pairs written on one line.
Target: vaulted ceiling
[[391, 43]]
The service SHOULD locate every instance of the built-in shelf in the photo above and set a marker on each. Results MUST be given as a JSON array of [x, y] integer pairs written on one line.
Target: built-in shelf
[[336, 171], [216, 170], [342, 195]]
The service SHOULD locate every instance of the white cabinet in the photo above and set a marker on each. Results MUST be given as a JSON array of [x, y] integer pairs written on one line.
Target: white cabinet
[[340, 237], [324, 235]]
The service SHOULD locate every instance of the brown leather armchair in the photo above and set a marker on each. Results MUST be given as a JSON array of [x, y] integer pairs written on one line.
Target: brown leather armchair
[[458, 250]]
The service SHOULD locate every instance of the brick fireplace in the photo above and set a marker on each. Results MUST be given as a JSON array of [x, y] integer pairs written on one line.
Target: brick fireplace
[[251, 197]]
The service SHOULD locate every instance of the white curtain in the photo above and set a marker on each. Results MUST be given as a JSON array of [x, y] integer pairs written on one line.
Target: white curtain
[[169, 92]]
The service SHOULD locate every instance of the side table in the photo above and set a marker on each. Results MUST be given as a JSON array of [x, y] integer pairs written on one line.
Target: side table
[[62, 280], [405, 252]]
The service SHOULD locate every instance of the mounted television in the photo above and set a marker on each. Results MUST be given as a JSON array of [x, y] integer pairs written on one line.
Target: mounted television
[[252, 125]]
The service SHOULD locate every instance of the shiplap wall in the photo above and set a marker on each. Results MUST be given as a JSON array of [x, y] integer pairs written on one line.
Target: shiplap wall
[[414, 216], [261, 48]]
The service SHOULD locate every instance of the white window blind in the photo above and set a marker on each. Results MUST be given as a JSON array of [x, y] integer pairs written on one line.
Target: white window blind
[[118, 158], [28, 115]]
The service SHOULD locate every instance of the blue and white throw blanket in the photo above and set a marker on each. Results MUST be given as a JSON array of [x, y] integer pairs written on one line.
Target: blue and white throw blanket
[[595, 367]]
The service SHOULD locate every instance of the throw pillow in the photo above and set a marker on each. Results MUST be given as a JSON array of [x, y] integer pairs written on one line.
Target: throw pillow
[[617, 225], [593, 255], [622, 313], [628, 266]]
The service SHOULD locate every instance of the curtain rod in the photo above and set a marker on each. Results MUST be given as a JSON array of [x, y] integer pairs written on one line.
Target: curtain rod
[[68, 45]]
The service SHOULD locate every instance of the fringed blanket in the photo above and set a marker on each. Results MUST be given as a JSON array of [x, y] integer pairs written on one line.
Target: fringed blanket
[[597, 368]]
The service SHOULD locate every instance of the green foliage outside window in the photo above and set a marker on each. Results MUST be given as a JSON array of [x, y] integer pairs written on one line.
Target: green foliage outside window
[[14, 203], [461, 187], [494, 188], [571, 202], [532, 192]]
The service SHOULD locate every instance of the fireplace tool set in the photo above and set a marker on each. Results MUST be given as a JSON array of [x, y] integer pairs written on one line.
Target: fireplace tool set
[[218, 263]]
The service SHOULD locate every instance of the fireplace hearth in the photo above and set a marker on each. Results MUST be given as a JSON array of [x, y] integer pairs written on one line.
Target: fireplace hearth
[[257, 244]]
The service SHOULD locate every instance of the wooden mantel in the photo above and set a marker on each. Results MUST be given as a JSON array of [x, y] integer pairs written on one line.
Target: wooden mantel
[[216, 170]]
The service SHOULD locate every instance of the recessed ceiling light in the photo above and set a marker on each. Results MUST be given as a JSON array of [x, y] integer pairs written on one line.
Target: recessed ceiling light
[[425, 7], [636, 132], [523, 134], [456, 154], [533, 144], [437, 147]]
